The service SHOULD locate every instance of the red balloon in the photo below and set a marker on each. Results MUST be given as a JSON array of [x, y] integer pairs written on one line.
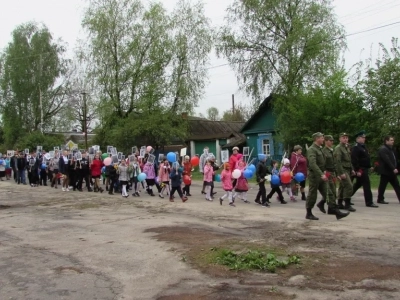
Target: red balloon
[[195, 161], [286, 177], [187, 180]]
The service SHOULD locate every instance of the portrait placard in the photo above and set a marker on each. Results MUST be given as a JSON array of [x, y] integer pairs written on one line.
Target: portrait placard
[[151, 159], [183, 151], [47, 156], [39, 149], [152, 151], [134, 149], [57, 148], [114, 151], [96, 147], [160, 157], [114, 159], [109, 149], [26, 151], [119, 155], [246, 151], [91, 151], [225, 156], [52, 153], [131, 158], [10, 153], [70, 156], [31, 162], [142, 152], [78, 155], [143, 147]]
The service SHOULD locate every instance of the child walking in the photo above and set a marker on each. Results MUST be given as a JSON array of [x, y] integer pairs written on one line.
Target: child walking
[[208, 179], [163, 175], [226, 179], [242, 186], [176, 182], [275, 188], [287, 185], [123, 177]]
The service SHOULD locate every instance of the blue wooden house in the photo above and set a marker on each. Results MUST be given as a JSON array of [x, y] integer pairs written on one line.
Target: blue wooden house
[[259, 133]]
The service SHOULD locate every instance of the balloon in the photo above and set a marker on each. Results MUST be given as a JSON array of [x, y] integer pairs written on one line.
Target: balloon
[[236, 173], [1, 161], [195, 161], [187, 180], [286, 178], [141, 177], [103, 169], [261, 156], [247, 174], [275, 180], [299, 177], [218, 178], [43, 166], [252, 168], [107, 161], [148, 149], [104, 156], [171, 157]]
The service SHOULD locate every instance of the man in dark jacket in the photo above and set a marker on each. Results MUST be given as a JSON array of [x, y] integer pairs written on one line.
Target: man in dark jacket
[[13, 165], [361, 161], [21, 166], [261, 172], [387, 168]]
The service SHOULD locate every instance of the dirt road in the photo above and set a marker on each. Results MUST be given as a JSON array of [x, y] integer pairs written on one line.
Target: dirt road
[[73, 245]]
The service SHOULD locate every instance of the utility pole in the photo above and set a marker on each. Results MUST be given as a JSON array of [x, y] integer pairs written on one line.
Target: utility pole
[[233, 104], [85, 119]]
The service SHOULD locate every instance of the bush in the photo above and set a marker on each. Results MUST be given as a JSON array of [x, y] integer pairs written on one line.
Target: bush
[[47, 141]]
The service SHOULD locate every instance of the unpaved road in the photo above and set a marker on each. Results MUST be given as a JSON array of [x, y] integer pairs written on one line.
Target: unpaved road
[[58, 245]]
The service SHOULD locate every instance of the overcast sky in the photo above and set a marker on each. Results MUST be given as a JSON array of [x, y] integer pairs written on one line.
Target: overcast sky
[[63, 18]]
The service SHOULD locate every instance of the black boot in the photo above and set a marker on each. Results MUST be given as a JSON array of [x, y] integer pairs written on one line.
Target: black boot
[[339, 214], [321, 207], [340, 204], [348, 206], [303, 196], [331, 210], [310, 216]]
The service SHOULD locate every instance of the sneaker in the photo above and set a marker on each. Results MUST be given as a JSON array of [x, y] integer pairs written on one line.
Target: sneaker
[[293, 199], [67, 189], [63, 189], [209, 199], [161, 196], [246, 201], [137, 194], [257, 201], [265, 205], [232, 204]]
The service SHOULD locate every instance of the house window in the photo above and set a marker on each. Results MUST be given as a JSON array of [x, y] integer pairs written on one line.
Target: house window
[[265, 147]]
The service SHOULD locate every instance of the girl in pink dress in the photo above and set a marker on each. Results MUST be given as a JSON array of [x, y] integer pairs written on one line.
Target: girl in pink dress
[[226, 180], [208, 179], [242, 186]]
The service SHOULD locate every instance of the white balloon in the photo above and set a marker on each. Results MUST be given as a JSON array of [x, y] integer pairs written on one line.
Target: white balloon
[[236, 173]]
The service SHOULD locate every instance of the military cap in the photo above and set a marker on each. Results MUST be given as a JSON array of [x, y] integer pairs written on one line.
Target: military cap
[[317, 134], [361, 133], [343, 134], [328, 138]]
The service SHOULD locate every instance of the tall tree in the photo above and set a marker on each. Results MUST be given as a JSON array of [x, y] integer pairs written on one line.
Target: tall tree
[[33, 80], [240, 113], [380, 88], [280, 45], [213, 114], [147, 63]]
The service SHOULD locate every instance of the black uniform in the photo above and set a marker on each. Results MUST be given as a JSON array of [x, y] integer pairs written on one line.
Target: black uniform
[[261, 172], [83, 172], [386, 167], [361, 162]]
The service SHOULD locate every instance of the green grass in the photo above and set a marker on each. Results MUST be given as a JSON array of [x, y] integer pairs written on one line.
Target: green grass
[[251, 260]]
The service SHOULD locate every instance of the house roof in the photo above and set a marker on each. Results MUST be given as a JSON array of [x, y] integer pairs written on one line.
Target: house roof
[[261, 109], [203, 129], [237, 140]]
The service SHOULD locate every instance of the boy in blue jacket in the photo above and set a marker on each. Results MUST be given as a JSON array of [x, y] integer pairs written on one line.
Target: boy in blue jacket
[[176, 182]]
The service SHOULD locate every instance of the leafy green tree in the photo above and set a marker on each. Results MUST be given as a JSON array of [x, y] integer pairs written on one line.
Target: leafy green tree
[[33, 80], [36, 138], [331, 107], [283, 46], [241, 113], [380, 89], [147, 64], [213, 114]]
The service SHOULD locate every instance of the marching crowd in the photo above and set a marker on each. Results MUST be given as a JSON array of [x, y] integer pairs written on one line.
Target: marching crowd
[[324, 168]]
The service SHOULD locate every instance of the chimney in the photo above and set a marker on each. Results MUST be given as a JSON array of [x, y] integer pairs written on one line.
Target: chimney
[[184, 115]]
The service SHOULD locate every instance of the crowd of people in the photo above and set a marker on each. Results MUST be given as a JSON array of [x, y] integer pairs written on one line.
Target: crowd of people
[[325, 167]]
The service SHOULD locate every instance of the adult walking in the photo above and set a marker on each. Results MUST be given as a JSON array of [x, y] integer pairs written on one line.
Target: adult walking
[[319, 179], [387, 169], [361, 162], [344, 171], [261, 172], [202, 163], [299, 165]]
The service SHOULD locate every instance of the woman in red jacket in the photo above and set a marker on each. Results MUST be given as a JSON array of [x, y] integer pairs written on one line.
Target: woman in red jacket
[[187, 170], [95, 168], [298, 163]]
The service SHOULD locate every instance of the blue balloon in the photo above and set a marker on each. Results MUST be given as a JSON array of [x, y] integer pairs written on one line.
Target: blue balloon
[[1, 161], [141, 177], [252, 168], [171, 157], [248, 174], [103, 169], [218, 178], [44, 166], [299, 177], [275, 180]]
